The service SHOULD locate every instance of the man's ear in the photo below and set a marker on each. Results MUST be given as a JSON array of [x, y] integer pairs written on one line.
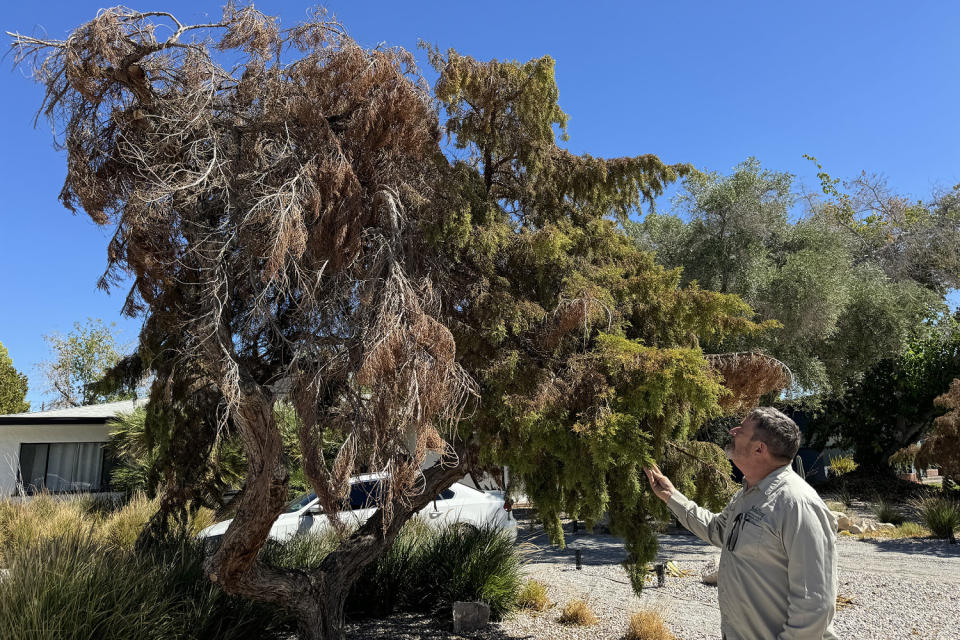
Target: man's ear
[[759, 447]]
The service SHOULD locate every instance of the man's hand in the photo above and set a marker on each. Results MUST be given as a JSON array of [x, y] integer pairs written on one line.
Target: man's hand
[[661, 485]]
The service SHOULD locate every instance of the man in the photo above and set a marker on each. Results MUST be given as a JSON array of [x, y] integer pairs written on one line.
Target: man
[[777, 574]]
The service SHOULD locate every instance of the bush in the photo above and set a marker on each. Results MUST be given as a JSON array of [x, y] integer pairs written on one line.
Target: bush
[[74, 587], [886, 512], [426, 570], [533, 596], [940, 514], [648, 625], [842, 465], [577, 612]]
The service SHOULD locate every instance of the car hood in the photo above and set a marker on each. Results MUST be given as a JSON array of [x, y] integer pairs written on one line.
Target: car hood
[[220, 528]]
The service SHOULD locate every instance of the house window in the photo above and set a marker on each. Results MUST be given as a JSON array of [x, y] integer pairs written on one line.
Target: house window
[[64, 467]]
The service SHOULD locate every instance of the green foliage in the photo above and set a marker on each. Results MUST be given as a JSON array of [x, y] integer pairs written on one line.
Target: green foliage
[[892, 406], [941, 514], [79, 361], [72, 588], [425, 570], [841, 308], [13, 386], [138, 467], [587, 354], [887, 512], [841, 465], [902, 460]]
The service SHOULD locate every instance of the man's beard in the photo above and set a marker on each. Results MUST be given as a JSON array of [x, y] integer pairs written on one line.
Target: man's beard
[[728, 449]]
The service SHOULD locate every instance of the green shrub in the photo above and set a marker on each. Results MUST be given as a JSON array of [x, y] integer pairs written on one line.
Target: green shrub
[[73, 587], [841, 465], [425, 570], [940, 514], [887, 512]]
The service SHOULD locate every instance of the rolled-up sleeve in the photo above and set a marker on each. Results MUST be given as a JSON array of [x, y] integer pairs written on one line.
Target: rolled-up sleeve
[[809, 540], [703, 523]]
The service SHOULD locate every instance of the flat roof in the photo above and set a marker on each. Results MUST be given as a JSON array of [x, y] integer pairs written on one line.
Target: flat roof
[[90, 414]]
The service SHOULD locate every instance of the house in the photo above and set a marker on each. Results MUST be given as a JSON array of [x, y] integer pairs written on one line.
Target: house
[[60, 451]]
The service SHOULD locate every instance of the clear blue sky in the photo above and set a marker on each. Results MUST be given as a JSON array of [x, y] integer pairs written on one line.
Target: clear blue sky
[[861, 85]]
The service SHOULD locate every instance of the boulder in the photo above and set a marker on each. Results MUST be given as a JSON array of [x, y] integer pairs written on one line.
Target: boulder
[[844, 522], [709, 573], [855, 528], [470, 616], [886, 525]]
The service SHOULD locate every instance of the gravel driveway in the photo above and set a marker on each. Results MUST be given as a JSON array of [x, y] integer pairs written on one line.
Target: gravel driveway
[[898, 589]]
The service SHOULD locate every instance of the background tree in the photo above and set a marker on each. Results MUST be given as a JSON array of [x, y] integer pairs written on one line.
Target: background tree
[[294, 232], [849, 286], [13, 386], [78, 361], [892, 406]]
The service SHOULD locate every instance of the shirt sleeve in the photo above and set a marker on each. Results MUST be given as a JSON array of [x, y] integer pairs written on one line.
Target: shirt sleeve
[[810, 544], [703, 523]]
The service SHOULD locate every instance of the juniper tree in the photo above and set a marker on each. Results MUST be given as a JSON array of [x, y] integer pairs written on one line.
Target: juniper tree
[[13, 385], [294, 231]]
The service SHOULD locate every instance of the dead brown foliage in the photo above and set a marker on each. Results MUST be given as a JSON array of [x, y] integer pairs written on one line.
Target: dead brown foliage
[[270, 216], [942, 446], [748, 376]]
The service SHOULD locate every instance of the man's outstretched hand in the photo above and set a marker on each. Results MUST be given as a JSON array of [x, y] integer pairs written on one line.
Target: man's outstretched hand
[[660, 483]]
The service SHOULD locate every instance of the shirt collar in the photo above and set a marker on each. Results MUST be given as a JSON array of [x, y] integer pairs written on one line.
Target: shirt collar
[[771, 481]]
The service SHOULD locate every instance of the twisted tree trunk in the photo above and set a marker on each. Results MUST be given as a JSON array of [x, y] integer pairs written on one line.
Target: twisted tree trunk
[[316, 597]]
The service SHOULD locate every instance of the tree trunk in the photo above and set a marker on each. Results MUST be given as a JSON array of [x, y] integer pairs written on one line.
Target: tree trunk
[[317, 598], [321, 616]]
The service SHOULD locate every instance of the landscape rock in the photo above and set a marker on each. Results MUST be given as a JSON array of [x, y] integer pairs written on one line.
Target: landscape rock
[[709, 573], [855, 528], [470, 616], [843, 523], [886, 525]]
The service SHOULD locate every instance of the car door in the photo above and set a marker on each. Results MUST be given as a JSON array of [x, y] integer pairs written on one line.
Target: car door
[[442, 510]]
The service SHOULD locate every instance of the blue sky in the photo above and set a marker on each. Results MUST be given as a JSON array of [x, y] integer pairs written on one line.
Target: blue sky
[[862, 86]]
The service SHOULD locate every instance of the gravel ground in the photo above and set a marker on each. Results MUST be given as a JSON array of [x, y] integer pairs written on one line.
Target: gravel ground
[[898, 589]]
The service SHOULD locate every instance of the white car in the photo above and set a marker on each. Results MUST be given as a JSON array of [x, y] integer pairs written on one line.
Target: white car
[[458, 504]]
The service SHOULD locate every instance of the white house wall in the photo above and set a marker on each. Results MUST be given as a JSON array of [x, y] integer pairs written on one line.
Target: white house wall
[[11, 437]]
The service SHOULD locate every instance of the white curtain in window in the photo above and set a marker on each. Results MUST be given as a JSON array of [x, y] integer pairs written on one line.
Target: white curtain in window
[[89, 462], [61, 465]]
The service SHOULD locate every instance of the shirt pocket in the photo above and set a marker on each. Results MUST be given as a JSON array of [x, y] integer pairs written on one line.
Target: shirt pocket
[[755, 539]]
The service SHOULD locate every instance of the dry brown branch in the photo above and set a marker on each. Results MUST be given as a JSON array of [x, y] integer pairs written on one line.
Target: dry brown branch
[[749, 375]]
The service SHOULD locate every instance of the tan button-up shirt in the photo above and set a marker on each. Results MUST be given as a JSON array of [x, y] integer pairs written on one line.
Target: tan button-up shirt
[[778, 570]]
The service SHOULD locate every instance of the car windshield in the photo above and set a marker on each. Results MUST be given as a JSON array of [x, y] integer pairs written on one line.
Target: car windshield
[[301, 502]]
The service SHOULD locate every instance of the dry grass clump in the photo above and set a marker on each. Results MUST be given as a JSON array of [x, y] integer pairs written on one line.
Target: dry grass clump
[[577, 612], [648, 625], [46, 517], [836, 505], [533, 596], [904, 530]]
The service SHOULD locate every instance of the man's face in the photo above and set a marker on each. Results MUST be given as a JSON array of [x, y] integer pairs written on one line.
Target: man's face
[[743, 444]]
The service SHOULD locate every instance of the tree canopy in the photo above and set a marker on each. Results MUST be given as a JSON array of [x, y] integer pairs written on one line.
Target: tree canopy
[[295, 232], [849, 281], [79, 360], [892, 406], [13, 385]]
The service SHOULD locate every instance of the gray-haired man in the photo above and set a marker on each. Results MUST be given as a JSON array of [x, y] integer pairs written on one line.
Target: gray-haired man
[[778, 572]]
